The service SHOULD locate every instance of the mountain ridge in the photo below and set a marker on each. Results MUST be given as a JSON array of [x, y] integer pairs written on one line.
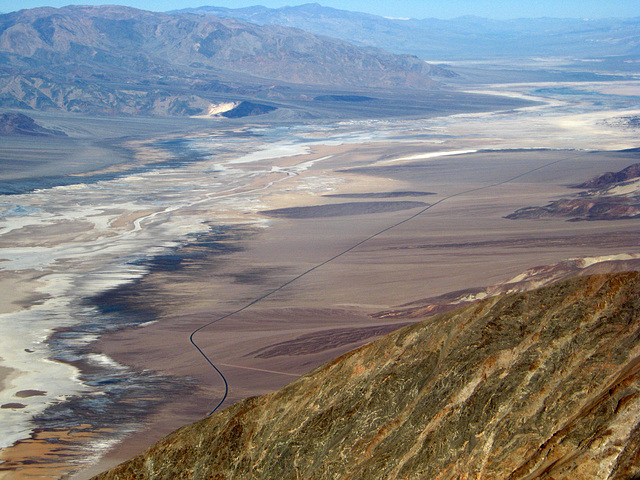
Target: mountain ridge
[[120, 59], [529, 385], [466, 37]]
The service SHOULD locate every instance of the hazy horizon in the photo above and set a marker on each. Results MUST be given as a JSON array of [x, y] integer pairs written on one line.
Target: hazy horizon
[[587, 9]]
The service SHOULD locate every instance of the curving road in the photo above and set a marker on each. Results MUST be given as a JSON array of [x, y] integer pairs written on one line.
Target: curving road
[[329, 260]]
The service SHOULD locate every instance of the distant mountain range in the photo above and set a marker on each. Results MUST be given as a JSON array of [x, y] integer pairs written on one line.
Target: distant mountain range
[[460, 38], [114, 59], [120, 60]]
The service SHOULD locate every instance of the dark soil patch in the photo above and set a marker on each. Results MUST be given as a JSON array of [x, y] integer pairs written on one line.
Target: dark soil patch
[[30, 393], [379, 195], [342, 209]]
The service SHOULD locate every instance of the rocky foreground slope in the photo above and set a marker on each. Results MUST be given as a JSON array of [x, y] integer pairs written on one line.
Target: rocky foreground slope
[[536, 385]]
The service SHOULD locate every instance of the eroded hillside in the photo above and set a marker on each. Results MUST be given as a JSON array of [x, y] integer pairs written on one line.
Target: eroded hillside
[[534, 385]]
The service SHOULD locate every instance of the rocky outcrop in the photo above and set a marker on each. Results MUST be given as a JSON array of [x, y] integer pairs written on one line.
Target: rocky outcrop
[[591, 208], [610, 178], [610, 196], [247, 109], [19, 124], [544, 384]]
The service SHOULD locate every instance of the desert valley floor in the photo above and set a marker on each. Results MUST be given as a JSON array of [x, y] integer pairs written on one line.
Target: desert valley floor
[[316, 235]]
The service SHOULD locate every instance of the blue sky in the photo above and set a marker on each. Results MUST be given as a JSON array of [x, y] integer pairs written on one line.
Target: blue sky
[[398, 8]]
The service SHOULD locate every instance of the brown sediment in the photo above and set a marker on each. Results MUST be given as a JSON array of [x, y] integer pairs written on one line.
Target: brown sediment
[[234, 341], [19, 290], [49, 235], [128, 218], [366, 195], [48, 455], [30, 393], [324, 340]]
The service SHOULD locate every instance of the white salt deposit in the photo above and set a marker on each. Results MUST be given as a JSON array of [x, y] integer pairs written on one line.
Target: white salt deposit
[[588, 261], [424, 156], [632, 187]]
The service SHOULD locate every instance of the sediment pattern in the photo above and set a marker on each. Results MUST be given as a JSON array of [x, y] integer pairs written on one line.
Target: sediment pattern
[[537, 385]]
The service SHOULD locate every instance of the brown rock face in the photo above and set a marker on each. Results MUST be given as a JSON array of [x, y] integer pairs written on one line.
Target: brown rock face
[[538, 385], [610, 196], [611, 178]]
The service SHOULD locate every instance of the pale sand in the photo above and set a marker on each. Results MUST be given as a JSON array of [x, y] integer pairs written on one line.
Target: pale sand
[[18, 290], [620, 88], [127, 220], [588, 131], [4, 375]]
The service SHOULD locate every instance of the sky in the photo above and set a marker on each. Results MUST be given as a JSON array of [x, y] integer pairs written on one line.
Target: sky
[[500, 9]]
